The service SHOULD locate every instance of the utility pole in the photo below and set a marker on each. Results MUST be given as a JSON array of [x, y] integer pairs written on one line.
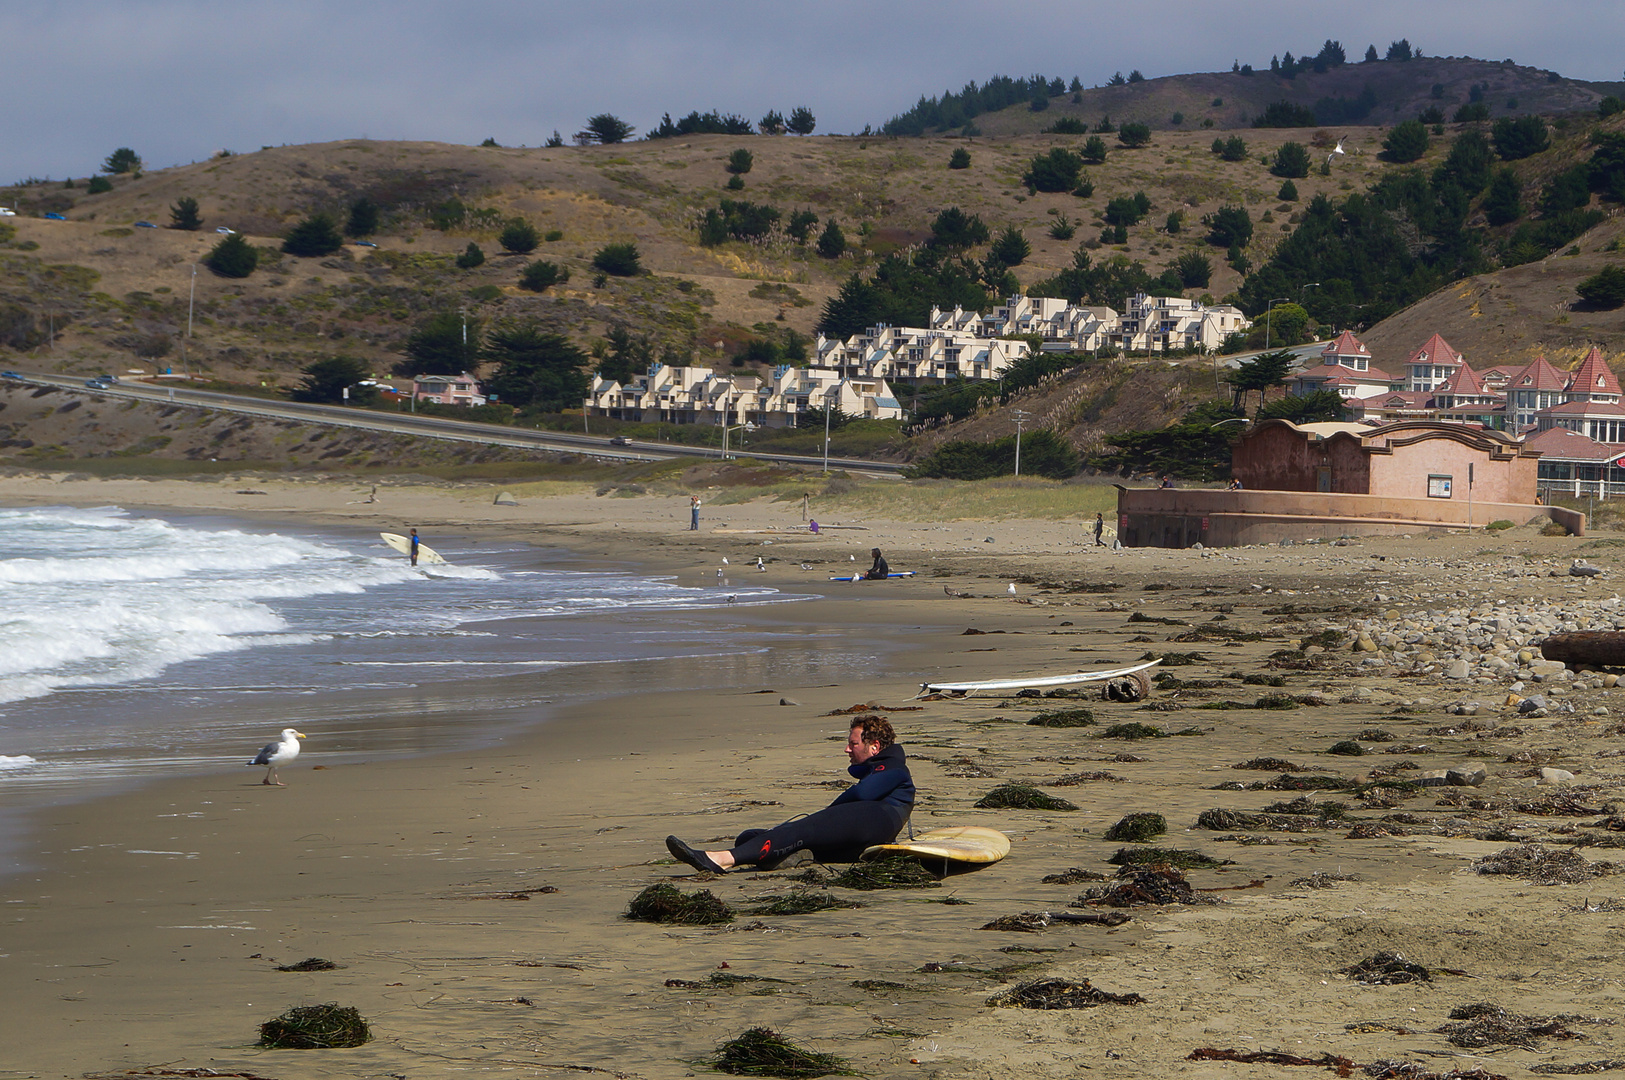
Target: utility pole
[[826, 434], [191, 303], [1021, 416]]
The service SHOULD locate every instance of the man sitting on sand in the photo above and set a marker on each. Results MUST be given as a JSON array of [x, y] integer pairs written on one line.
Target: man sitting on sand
[[880, 570], [872, 811]]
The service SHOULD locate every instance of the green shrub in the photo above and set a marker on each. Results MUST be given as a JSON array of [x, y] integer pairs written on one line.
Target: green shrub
[[471, 257], [519, 236], [1056, 170], [740, 161], [1291, 160], [233, 257], [1497, 526], [621, 260], [1406, 142], [313, 237], [98, 185], [542, 275], [959, 159]]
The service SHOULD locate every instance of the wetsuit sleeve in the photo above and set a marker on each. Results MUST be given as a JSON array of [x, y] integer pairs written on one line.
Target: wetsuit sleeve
[[880, 782]]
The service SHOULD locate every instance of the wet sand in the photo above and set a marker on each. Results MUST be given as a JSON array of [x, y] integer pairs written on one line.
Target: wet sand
[[148, 932]]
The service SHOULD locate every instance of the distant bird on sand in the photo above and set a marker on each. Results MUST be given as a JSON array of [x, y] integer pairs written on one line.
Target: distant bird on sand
[[760, 565], [725, 560], [1012, 589], [277, 754]]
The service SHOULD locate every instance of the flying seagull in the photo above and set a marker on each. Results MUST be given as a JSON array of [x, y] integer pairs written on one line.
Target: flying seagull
[[1336, 151], [278, 753]]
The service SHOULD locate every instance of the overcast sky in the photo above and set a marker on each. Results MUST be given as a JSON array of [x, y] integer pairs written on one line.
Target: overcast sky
[[179, 79]]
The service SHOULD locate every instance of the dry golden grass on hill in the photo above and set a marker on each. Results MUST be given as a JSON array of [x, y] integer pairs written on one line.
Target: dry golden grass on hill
[[651, 193]]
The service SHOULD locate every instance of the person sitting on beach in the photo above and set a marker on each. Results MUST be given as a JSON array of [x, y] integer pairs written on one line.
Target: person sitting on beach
[[880, 570], [872, 811]]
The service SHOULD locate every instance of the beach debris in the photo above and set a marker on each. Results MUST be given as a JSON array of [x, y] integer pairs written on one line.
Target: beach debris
[[1340, 1065], [764, 1052], [1063, 718], [799, 903], [1033, 921], [1291, 782], [1130, 688], [1059, 994], [1581, 568], [315, 1027], [1578, 1068], [892, 872], [1221, 820], [1158, 885], [1303, 804], [1487, 1024], [1021, 797], [873, 707], [1137, 828], [884, 986], [311, 963], [665, 903], [1074, 779], [1133, 730], [1176, 659], [1156, 856], [1456, 777], [1321, 879], [1386, 969], [138, 1074], [1268, 764], [1542, 866], [1072, 876], [720, 980], [1346, 748]]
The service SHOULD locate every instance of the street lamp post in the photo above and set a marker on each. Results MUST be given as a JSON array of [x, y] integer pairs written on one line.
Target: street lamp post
[[826, 434], [1020, 416]]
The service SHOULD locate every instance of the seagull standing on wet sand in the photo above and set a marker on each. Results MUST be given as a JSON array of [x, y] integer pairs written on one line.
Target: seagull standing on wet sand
[[278, 753]]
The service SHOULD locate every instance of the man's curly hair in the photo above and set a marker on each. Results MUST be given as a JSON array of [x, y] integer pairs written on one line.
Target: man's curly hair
[[876, 729]]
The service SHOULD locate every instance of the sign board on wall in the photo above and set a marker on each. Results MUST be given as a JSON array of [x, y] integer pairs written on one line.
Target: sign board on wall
[[1438, 486]]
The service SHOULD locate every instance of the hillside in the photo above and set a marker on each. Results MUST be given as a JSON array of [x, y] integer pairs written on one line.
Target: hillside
[[131, 287], [1230, 100]]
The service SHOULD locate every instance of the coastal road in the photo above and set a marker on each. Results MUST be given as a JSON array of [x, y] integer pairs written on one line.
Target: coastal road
[[434, 427]]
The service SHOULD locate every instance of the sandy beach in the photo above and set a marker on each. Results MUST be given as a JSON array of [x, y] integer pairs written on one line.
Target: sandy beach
[[473, 901]]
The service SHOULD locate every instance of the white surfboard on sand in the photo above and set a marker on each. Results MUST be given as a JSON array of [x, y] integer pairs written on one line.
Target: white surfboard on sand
[[403, 544], [960, 843]]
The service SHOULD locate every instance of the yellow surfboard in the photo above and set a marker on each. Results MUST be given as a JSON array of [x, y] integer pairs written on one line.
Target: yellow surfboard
[[403, 544], [960, 843]]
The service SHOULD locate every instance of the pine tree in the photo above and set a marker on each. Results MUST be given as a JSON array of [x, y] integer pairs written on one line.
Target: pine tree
[[183, 215], [519, 236], [232, 257], [363, 219], [313, 237], [802, 121], [832, 241]]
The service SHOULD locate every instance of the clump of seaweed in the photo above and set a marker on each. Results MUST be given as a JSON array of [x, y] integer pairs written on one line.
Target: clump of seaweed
[[883, 986], [1059, 994], [1177, 659], [1134, 730], [764, 1052], [1137, 828], [1487, 1024], [1161, 885], [1542, 866], [719, 980], [310, 963], [1289, 782], [801, 903], [892, 872], [1268, 764], [1258, 678], [1063, 718], [1072, 876], [1074, 779], [1156, 856], [1375, 735], [664, 903], [1305, 805], [1322, 879], [1387, 969], [1021, 797], [1578, 1068], [1347, 748], [316, 1027]]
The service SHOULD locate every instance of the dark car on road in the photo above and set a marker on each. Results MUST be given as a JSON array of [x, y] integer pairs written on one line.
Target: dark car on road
[[620, 440]]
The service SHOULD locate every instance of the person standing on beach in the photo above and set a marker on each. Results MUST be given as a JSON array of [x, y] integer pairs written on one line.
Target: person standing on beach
[[413, 540], [1100, 529], [693, 512], [872, 811]]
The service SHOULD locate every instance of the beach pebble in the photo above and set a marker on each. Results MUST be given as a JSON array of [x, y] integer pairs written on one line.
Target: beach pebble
[[1456, 669], [1555, 776], [788, 701]]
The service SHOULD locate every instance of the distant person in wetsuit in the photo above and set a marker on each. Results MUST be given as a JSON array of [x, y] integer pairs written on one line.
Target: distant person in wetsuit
[[872, 811], [879, 571], [414, 551], [1100, 529]]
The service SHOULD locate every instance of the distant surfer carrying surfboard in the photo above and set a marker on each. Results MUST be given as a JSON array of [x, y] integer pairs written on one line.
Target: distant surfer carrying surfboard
[[872, 811], [413, 540]]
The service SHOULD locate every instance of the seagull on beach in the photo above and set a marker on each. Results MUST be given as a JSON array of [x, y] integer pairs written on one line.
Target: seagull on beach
[[278, 753]]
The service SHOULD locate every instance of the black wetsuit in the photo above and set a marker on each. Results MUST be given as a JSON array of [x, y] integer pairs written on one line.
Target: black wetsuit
[[872, 811], [880, 570]]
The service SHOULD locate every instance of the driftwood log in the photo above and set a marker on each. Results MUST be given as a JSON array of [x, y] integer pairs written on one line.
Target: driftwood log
[[1587, 648]]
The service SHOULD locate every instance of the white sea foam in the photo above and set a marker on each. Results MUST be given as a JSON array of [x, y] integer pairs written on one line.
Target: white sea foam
[[16, 763]]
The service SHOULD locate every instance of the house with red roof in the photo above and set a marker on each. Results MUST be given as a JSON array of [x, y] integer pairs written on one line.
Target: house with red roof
[[1344, 368], [1430, 366]]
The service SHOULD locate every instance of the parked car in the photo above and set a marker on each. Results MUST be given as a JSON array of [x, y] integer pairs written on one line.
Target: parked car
[[108, 379], [365, 243], [620, 440], [10, 375], [6, 211], [95, 384], [223, 230], [145, 225], [54, 217]]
